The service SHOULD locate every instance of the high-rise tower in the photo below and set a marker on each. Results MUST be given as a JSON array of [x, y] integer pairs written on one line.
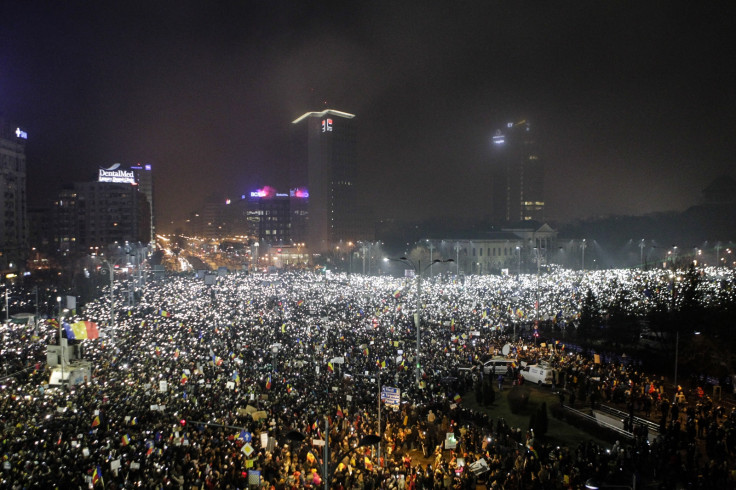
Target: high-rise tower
[[13, 218], [327, 167], [518, 183]]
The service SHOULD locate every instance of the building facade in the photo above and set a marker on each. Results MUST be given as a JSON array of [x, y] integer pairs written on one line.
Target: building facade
[[13, 201], [326, 163], [518, 175], [97, 214]]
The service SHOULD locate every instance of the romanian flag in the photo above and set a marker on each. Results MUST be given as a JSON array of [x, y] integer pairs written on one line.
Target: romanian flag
[[125, 440], [184, 378], [365, 351], [83, 330], [176, 354], [97, 476], [300, 302], [96, 421], [163, 313], [157, 350], [457, 398], [268, 383], [339, 412], [330, 367], [283, 328], [149, 448], [397, 293], [236, 377], [134, 421]]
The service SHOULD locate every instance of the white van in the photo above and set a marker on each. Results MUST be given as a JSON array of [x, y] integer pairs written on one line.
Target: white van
[[497, 365], [537, 373]]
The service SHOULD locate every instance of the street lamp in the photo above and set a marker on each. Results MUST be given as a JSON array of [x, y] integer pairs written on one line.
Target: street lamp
[[582, 247], [112, 297], [431, 249], [418, 316], [641, 253], [61, 345], [457, 258]]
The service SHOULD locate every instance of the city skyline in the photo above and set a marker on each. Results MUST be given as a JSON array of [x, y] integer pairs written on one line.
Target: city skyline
[[634, 107]]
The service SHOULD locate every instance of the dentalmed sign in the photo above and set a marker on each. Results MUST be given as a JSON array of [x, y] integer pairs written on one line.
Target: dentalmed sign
[[116, 175]]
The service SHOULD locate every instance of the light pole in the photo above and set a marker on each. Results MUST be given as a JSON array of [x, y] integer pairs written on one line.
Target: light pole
[[641, 253], [582, 247], [518, 252], [61, 344], [431, 249], [457, 258], [112, 297], [418, 315], [364, 248]]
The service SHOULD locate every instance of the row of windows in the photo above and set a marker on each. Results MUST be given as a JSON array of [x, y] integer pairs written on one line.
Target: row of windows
[[495, 251]]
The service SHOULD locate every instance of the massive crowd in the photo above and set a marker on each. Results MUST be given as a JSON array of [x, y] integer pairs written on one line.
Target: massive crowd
[[238, 383]]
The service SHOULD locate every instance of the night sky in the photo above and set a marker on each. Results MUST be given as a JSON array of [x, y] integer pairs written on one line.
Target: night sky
[[634, 102]]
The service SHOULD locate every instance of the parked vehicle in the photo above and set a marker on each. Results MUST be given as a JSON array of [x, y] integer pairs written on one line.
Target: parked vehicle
[[497, 365], [537, 373]]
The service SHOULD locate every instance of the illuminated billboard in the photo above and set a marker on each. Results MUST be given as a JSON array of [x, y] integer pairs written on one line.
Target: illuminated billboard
[[269, 192], [116, 175]]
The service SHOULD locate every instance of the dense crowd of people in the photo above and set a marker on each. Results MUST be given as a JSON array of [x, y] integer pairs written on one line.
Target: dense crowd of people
[[245, 381]]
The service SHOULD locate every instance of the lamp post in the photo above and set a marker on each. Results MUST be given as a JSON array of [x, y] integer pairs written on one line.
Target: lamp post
[[457, 258], [364, 248], [582, 247], [112, 297], [518, 252], [418, 316], [641, 253], [61, 344], [431, 249]]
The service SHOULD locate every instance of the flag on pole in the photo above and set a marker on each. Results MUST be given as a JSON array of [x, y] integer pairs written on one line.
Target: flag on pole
[[96, 421], [330, 367], [163, 313], [125, 440], [184, 378], [268, 383], [97, 476], [457, 398], [82, 330]]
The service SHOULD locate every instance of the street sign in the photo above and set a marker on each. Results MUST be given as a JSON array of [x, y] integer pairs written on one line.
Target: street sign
[[391, 396]]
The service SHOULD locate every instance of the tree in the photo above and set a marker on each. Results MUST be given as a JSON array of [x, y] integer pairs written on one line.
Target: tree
[[590, 320], [541, 422], [489, 393], [622, 326]]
